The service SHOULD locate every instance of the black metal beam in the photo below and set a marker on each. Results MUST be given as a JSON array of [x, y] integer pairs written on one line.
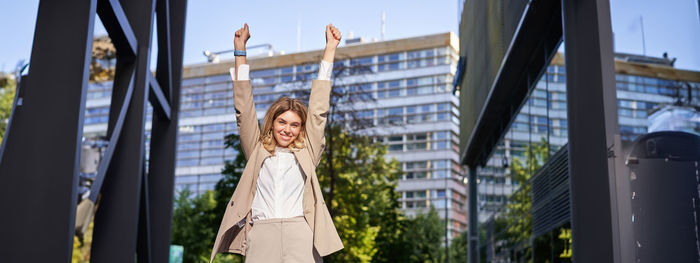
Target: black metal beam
[[115, 131], [157, 97], [144, 242], [116, 221], [473, 220], [534, 44], [117, 26], [39, 171], [161, 174], [592, 119], [164, 68]]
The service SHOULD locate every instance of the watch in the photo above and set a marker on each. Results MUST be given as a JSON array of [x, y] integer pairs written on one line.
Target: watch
[[239, 52]]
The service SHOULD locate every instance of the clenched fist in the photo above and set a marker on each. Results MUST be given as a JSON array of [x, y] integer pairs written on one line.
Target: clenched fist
[[242, 36], [332, 36]]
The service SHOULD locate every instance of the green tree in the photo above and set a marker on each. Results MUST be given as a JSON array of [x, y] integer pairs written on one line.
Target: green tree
[[190, 214], [7, 96], [518, 216], [392, 241], [232, 172], [458, 248], [365, 204], [424, 234], [196, 219]]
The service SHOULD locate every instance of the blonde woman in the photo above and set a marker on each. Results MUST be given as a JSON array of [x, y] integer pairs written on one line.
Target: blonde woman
[[277, 212]]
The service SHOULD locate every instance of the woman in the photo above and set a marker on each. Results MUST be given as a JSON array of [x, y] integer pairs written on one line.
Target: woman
[[277, 212]]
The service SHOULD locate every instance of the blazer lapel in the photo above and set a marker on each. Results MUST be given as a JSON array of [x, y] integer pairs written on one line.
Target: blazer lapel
[[304, 161]]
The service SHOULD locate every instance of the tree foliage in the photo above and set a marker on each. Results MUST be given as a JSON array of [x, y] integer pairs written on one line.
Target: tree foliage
[[190, 215], [81, 246], [459, 248], [196, 219], [424, 234], [232, 172], [195, 225], [366, 207], [365, 204], [7, 96], [102, 61], [518, 217]]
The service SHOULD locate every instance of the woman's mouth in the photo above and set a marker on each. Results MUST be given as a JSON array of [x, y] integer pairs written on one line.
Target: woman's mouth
[[285, 137]]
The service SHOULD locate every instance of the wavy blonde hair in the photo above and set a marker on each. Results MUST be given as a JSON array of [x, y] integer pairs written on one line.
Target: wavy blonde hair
[[280, 106]]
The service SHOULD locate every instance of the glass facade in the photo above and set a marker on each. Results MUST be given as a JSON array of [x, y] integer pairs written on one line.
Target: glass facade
[[543, 118], [516, 226]]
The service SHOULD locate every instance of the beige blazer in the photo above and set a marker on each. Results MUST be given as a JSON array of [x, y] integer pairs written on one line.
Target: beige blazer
[[231, 238]]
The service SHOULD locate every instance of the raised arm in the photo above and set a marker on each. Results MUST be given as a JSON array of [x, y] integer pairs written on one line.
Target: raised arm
[[239, 40], [246, 117], [320, 95], [332, 40]]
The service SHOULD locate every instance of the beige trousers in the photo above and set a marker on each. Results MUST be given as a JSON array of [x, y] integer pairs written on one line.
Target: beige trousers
[[283, 240]]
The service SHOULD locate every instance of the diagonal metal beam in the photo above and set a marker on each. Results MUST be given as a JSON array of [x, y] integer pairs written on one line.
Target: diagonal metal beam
[[157, 98], [164, 70], [114, 137], [118, 27]]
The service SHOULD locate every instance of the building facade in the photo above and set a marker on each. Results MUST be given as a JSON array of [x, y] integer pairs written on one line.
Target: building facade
[[644, 84], [407, 102]]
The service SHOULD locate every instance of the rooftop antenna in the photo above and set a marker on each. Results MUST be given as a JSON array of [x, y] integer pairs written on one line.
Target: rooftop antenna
[[383, 24], [644, 44]]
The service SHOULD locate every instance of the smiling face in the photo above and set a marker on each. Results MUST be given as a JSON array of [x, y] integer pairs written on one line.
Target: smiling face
[[286, 128], [283, 125]]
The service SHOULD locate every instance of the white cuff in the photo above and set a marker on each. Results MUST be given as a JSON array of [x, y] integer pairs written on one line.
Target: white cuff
[[325, 70], [243, 72]]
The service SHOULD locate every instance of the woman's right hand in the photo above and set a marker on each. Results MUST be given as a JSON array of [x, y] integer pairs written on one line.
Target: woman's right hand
[[241, 37], [333, 36]]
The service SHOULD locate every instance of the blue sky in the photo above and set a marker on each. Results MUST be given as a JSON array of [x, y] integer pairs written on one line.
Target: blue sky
[[671, 26]]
